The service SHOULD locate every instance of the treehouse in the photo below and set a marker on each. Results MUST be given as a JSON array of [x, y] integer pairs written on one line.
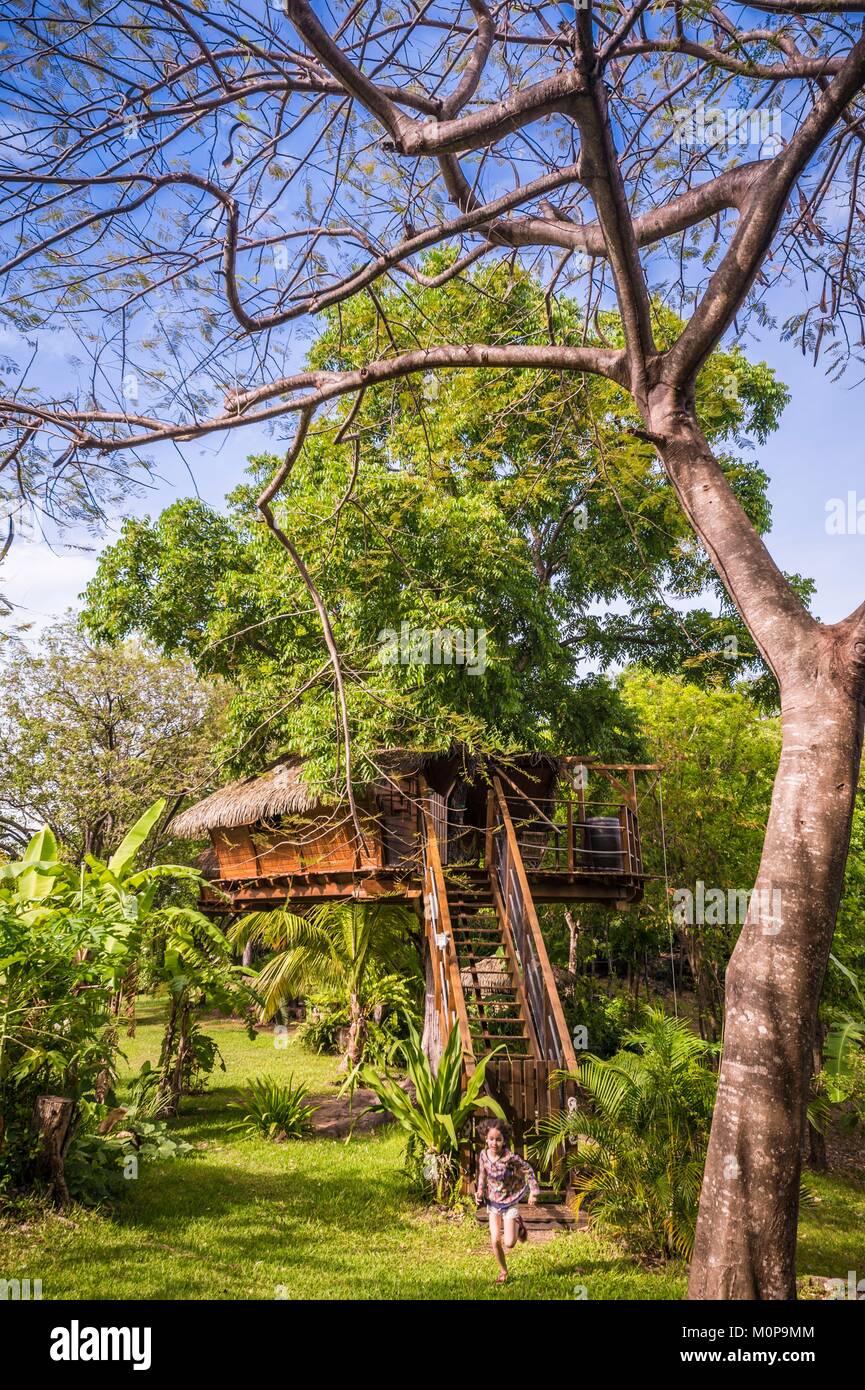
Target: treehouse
[[473, 845]]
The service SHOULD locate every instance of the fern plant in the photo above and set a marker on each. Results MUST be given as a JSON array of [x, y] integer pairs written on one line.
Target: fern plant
[[636, 1147], [275, 1110]]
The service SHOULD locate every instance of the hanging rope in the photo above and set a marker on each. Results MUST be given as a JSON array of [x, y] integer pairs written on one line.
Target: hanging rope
[[667, 893]]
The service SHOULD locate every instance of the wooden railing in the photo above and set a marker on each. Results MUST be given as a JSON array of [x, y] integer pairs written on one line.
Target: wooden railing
[[574, 832], [450, 1001], [513, 901]]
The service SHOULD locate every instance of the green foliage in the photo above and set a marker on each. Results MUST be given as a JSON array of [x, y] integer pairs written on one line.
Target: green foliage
[[439, 1115], [605, 1018], [842, 991], [355, 955], [718, 754], [68, 936], [636, 1147], [91, 734], [389, 1005], [197, 968], [842, 1080], [98, 1166], [517, 503], [275, 1110]]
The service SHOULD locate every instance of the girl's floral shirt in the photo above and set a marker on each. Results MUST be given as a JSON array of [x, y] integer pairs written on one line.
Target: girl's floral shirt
[[503, 1179]]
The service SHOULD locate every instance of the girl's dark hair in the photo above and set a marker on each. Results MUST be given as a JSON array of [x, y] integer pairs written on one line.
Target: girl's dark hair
[[489, 1125]]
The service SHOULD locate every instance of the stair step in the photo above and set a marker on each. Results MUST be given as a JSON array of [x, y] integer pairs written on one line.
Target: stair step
[[497, 1037], [502, 1018]]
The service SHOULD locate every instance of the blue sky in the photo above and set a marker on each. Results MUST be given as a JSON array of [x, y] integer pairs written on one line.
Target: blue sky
[[815, 456]]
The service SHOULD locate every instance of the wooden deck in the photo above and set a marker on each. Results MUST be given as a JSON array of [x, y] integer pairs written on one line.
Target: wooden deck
[[580, 844]]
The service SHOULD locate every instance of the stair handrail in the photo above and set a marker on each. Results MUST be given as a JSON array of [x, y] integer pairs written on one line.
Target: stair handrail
[[506, 866], [449, 996]]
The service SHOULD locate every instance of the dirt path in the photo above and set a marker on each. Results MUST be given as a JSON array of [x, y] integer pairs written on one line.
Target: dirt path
[[336, 1117]]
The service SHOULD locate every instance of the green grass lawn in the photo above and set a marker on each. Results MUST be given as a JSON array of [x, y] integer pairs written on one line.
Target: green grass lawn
[[323, 1218]]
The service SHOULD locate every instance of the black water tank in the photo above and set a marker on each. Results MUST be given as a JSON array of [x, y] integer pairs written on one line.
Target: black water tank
[[603, 844]]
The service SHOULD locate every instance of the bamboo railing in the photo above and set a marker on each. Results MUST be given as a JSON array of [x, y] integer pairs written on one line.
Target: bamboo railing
[[516, 910], [450, 1004]]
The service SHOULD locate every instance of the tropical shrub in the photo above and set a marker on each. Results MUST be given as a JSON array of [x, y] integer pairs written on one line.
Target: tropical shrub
[[635, 1147], [68, 938], [100, 1162], [275, 1110], [197, 969], [436, 1120], [389, 1004], [344, 951]]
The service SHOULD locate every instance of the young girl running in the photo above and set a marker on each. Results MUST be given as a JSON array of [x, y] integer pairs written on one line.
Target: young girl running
[[503, 1180]]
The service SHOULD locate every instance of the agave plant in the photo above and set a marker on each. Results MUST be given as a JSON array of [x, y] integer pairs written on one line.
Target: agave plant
[[439, 1115], [275, 1110], [636, 1147]]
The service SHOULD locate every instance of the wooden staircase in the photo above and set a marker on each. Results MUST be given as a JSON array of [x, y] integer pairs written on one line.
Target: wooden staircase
[[495, 1001], [491, 975]]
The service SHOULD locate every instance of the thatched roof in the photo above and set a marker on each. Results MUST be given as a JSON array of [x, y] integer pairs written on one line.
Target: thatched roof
[[490, 976], [281, 790], [278, 791]]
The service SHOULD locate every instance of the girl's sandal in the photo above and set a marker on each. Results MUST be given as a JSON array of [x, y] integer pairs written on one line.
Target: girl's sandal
[[502, 1277], [522, 1233]]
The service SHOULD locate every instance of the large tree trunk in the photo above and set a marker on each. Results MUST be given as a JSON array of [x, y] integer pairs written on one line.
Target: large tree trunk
[[746, 1234]]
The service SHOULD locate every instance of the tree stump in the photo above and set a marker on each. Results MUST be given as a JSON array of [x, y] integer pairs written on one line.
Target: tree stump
[[52, 1122]]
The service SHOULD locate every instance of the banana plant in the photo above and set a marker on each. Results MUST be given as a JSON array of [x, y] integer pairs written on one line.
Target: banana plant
[[69, 935], [197, 966]]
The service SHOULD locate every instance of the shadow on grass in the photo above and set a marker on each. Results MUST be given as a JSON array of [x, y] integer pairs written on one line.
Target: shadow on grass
[[334, 1222]]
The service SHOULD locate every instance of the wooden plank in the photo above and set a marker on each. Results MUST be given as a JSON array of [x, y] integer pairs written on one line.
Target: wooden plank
[[448, 952], [626, 839], [531, 1075]]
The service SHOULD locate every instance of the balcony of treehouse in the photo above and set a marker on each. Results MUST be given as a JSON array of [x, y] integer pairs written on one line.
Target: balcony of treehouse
[[576, 830]]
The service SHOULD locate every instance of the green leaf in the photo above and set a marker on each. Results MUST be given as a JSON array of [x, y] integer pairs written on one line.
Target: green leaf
[[34, 885], [131, 843]]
